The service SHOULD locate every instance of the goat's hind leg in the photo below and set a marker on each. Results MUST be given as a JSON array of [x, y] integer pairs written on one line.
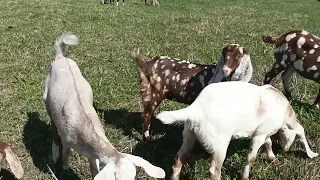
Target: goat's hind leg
[[276, 69], [317, 101], [189, 139], [219, 154], [65, 157], [300, 133], [256, 143], [56, 143], [286, 76], [151, 100], [94, 166]]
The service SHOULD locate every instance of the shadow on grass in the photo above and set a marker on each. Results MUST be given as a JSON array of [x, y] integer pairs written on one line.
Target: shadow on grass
[[5, 174], [37, 139]]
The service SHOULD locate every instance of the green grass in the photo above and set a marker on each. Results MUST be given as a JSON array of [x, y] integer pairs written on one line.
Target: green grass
[[195, 30]]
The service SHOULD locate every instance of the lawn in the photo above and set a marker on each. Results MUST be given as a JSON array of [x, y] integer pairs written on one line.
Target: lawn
[[195, 30]]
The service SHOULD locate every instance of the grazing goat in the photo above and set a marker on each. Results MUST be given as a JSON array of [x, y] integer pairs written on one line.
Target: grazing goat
[[112, 1], [295, 51], [154, 2], [12, 159], [178, 80], [69, 102], [232, 110]]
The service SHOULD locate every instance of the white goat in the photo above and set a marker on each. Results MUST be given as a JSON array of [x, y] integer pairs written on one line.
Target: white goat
[[69, 103], [232, 110]]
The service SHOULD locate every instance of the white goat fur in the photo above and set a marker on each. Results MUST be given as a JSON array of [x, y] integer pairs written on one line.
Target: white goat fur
[[69, 102], [231, 110]]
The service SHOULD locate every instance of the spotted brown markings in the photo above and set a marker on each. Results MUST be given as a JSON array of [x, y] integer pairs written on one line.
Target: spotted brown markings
[[295, 51], [163, 77]]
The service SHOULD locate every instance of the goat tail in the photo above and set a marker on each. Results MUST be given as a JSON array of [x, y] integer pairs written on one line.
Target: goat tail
[[177, 116], [63, 41], [269, 39], [138, 57]]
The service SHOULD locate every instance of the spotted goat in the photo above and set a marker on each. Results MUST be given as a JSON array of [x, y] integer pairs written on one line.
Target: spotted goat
[[295, 51], [181, 81]]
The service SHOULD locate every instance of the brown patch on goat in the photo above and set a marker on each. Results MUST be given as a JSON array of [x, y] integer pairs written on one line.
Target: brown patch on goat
[[299, 50], [290, 112], [261, 109], [253, 133]]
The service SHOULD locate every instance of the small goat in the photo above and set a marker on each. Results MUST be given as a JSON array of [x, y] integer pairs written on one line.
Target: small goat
[[69, 103], [232, 110], [178, 80], [295, 51], [12, 159], [153, 2], [112, 2]]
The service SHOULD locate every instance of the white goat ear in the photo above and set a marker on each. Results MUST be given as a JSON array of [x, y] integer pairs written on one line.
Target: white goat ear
[[107, 173], [13, 161], [150, 169]]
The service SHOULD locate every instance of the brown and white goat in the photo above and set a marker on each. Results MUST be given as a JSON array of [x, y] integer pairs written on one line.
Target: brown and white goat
[[12, 159], [233, 110], [178, 80], [295, 51]]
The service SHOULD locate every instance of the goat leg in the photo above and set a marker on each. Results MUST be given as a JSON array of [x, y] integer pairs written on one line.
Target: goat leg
[[286, 76], [317, 101], [276, 69], [56, 143], [189, 139]]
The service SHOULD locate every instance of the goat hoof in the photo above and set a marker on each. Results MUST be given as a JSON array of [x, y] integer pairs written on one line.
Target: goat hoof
[[275, 162], [147, 138], [65, 167]]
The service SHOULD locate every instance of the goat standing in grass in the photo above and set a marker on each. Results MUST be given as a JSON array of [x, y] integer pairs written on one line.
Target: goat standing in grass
[[69, 103], [181, 81], [295, 51], [232, 110]]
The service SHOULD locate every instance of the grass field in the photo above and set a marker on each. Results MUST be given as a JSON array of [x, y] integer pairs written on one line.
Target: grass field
[[195, 30]]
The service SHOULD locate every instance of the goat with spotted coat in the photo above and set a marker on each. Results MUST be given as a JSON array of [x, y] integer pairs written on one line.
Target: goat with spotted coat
[[295, 51], [178, 80], [232, 110]]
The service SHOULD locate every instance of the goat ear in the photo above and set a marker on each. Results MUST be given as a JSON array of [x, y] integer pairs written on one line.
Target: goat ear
[[269, 39], [150, 169], [107, 173], [14, 162]]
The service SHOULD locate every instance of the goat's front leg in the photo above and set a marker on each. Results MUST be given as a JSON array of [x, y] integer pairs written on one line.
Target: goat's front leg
[[189, 139], [286, 76], [317, 101], [270, 154], [276, 69], [219, 154], [256, 143]]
